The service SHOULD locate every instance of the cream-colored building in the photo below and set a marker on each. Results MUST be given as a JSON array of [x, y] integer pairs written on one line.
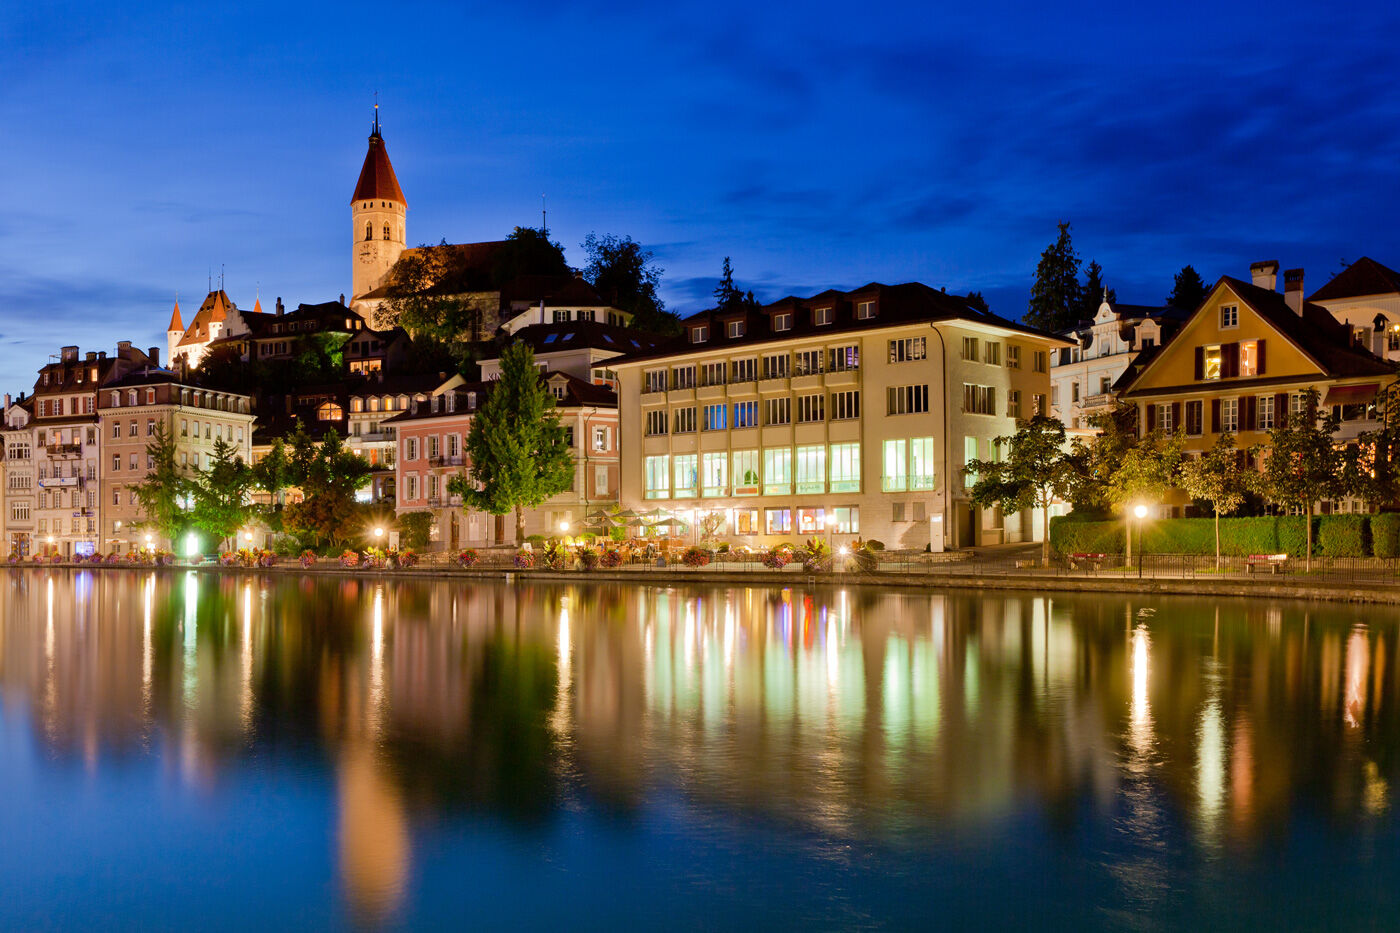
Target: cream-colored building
[[129, 411], [19, 482], [1366, 296], [859, 406]]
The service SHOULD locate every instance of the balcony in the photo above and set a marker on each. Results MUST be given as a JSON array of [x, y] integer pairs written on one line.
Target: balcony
[[1100, 400], [65, 450], [444, 462]]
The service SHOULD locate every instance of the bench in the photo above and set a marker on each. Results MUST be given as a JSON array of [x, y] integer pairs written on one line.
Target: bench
[[1091, 561], [1277, 563]]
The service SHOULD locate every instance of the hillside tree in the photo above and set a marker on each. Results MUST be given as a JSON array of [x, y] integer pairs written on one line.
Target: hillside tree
[[1056, 296]]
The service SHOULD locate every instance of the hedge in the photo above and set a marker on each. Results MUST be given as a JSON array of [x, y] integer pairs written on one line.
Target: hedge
[[1333, 536]]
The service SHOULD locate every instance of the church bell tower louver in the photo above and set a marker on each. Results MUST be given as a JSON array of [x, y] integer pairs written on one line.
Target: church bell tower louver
[[377, 214]]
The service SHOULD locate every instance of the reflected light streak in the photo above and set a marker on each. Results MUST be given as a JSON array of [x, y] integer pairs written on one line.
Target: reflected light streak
[[1357, 664], [376, 663], [1140, 711]]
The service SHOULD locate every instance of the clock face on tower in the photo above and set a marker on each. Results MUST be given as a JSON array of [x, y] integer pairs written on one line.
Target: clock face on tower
[[365, 253]]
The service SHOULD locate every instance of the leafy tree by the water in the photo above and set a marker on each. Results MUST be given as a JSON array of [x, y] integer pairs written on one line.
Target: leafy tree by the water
[[1188, 291], [1055, 293], [328, 475], [162, 493], [518, 450], [220, 493], [1035, 472], [1219, 477], [626, 275], [1302, 465]]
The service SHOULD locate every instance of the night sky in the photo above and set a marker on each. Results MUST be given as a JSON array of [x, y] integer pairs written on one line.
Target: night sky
[[825, 145]]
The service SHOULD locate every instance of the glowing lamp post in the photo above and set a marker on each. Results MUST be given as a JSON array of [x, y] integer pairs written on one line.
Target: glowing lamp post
[[148, 542], [378, 535], [830, 522], [1140, 513]]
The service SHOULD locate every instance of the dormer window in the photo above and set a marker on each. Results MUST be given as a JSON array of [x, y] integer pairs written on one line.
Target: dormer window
[[782, 322], [865, 310], [821, 316], [700, 334], [736, 329]]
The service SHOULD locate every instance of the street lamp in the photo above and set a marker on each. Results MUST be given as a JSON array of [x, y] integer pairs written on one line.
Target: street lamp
[[378, 533], [148, 542], [830, 522], [1140, 512], [564, 526]]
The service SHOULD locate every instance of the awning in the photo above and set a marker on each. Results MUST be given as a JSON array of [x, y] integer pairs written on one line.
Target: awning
[[1362, 394]]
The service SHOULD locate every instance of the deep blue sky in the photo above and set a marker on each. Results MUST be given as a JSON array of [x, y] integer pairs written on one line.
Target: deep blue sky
[[821, 145]]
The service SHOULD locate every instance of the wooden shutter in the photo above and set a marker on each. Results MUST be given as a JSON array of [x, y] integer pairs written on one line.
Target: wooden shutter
[[1200, 363], [1215, 416], [1230, 360], [1259, 355], [1249, 406], [1151, 418]]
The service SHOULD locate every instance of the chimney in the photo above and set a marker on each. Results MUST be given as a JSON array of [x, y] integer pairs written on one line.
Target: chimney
[[280, 308], [101, 354], [1265, 274], [90, 356], [123, 346], [342, 298], [154, 354], [68, 354], [1293, 290]]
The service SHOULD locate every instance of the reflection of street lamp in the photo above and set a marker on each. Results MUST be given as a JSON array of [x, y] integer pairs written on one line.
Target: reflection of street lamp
[[1140, 512]]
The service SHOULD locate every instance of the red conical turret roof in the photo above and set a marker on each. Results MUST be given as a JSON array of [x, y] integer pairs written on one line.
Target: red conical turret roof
[[175, 322], [377, 179]]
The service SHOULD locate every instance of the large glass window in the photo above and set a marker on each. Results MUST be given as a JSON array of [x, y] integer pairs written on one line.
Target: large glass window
[[896, 466], [746, 521], [845, 467], [1210, 368], [921, 473], [778, 521], [657, 477], [746, 465], [686, 472], [811, 521], [746, 414], [777, 471], [811, 469], [715, 469], [847, 520]]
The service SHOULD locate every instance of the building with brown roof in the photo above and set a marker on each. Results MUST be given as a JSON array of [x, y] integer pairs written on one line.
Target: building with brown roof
[[1366, 296]]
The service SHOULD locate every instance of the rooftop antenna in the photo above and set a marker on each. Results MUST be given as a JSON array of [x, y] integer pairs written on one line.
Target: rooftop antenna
[[376, 113], [544, 218], [211, 280], [221, 276]]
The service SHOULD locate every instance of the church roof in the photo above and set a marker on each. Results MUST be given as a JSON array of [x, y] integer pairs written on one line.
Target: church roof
[[377, 179], [213, 310], [1361, 278], [175, 322]]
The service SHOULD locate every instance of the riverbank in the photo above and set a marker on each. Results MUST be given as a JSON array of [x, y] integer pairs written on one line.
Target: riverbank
[[967, 575]]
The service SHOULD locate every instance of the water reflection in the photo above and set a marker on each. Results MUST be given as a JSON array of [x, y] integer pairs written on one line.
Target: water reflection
[[1176, 730]]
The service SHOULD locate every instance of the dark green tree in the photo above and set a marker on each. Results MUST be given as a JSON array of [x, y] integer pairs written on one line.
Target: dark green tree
[[220, 493], [433, 308], [1218, 477], [163, 492], [328, 475], [1302, 465], [1055, 293], [626, 275], [1034, 473], [518, 450], [726, 293], [529, 251], [1092, 294], [975, 300], [1188, 291]]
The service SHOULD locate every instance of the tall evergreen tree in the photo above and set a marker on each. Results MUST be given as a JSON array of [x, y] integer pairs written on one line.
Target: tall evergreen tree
[[1092, 293], [1188, 291], [975, 300], [518, 450], [221, 493], [163, 492], [1055, 294], [726, 293]]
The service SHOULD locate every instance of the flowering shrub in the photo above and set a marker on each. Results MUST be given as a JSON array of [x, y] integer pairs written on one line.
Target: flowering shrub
[[696, 556], [113, 557], [556, 556], [405, 558], [524, 560], [349, 559], [160, 558], [307, 558], [374, 559], [14, 557], [816, 555], [266, 558], [612, 557], [777, 557], [468, 558], [587, 558]]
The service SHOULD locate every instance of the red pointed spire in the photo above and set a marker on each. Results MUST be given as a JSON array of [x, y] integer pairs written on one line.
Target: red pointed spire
[[175, 322], [377, 179]]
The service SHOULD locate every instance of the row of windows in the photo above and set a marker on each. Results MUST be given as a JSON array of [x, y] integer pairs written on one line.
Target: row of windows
[[69, 499], [75, 526], [781, 321], [388, 232], [770, 471], [451, 445], [771, 366], [776, 411], [1226, 415], [977, 350]]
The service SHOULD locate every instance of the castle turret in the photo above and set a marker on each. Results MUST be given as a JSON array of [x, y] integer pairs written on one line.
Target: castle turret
[[377, 214], [174, 332]]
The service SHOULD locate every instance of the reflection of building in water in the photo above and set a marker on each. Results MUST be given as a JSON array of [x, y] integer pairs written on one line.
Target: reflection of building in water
[[847, 711]]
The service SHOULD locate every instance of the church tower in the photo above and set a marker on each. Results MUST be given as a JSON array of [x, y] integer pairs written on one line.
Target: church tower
[[173, 333], [377, 213]]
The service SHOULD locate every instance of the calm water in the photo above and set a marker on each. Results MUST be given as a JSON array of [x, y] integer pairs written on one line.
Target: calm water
[[190, 752]]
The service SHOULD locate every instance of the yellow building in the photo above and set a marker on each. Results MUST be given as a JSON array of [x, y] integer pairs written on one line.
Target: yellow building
[[1242, 363], [849, 414]]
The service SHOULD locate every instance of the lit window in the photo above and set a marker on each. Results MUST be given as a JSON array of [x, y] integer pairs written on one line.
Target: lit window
[[1229, 316], [1210, 365]]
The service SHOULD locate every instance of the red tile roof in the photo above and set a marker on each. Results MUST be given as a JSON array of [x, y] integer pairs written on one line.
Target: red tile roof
[[175, 322], [377, 179], [1363, 277]]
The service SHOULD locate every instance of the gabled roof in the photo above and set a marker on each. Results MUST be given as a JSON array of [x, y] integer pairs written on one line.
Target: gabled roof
[[377, 178], [1361, 278], [578, 393], [214, 309], [176, 324], [1315, 333]]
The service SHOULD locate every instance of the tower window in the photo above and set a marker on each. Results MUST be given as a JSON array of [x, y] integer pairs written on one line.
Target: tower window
[[369, 230], [386, 231]]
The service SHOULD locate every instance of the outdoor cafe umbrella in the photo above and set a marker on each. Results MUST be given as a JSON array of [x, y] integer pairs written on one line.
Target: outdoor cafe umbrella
[[601, 519], [671, 524]]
